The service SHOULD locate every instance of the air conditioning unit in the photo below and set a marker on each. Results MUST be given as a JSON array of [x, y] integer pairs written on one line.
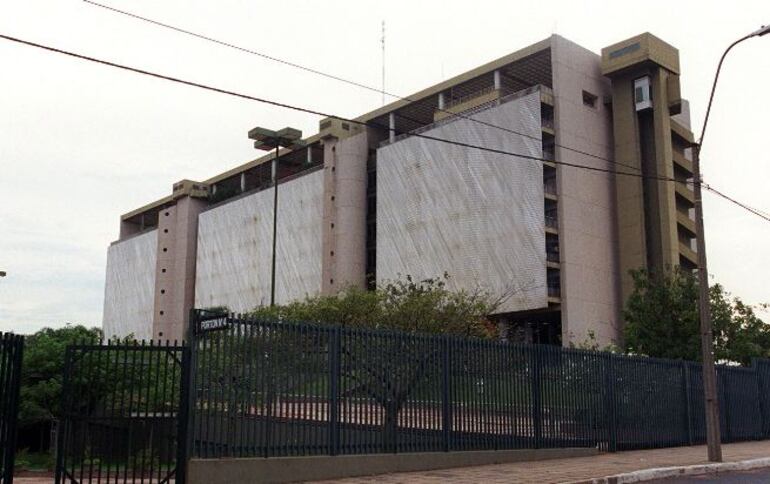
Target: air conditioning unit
[[643, 93], [337, 128]]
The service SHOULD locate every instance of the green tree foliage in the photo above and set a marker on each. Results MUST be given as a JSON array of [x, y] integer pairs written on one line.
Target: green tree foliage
[[387, 368], [425, 306], [661, 320], [41, 374]]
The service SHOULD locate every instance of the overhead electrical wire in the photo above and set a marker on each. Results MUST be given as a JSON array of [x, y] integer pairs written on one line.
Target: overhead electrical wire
[[341, 79], [363, 123]]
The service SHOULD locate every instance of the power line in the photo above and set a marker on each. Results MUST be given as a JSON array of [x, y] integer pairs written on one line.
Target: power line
[[323, 114], [362, 123], [755, 211], [342, 79]]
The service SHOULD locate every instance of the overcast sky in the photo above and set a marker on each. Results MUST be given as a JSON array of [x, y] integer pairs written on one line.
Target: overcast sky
[[80, 144]]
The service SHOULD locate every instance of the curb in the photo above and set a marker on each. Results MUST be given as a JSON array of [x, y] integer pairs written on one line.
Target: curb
[[679, 471]]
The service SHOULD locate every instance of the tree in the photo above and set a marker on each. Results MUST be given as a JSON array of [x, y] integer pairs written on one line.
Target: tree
[[388, 368], [41, 374], [739, 334], [661, 320]]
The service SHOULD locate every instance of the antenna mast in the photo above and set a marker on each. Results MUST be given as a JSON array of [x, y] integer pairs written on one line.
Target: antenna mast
[[382, 40]]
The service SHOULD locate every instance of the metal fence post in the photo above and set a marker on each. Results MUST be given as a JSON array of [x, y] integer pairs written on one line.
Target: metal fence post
[[536, 400], [183, 417], [12, 378], [63, 422], [445, 395], [687, 400], [335, 349], [609, 403]]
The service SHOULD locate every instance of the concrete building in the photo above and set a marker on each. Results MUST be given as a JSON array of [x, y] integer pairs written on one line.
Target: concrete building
[[365, 203]]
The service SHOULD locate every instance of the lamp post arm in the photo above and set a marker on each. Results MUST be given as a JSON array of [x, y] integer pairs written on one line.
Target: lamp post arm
[[716, 78]]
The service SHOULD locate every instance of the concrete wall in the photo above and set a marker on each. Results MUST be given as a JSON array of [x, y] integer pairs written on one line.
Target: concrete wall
[[344, 213], [129, 284], [473, 214], [586, 205], [235, 247], [312, 468]]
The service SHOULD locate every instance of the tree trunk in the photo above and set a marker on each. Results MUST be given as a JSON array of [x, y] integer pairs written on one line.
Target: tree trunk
[[390, 430]]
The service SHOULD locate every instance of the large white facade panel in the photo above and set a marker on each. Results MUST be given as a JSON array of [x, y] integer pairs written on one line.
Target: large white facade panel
[[235, 247], [476, 215], [130, 287]]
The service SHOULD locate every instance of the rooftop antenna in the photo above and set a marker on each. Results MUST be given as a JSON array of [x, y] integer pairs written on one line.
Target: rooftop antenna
[[382, 40]]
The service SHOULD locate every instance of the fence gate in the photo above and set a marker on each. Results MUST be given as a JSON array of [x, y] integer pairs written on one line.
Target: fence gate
[[124, 414], [11, 348]]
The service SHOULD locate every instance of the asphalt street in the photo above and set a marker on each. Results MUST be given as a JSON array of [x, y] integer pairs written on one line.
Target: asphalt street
[[756, 476]]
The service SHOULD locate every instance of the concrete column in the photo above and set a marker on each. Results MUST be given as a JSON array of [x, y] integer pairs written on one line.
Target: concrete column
[[344, 224], [392, 126], [441, 101], [175, 268], [498, 83]]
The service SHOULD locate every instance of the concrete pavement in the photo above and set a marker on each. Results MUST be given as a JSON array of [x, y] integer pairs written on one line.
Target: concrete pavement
[[577, 470], [749, 477]]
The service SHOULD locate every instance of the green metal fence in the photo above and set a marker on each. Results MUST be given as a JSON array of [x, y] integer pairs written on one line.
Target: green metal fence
[[266, 388], [11, 349]]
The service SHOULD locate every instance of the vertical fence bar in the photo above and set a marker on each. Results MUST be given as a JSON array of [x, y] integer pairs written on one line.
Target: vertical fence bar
[[535, 397], [445, 399], [184, 414], [687, 400], [609, 404], [64, 421], [335, 354], [11, 354]]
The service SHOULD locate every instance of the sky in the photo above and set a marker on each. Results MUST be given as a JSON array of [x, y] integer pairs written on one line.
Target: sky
[[81, 144]]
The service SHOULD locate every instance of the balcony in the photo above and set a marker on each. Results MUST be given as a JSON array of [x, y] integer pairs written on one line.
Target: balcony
[[685, 192], [686, 222], [554, 290], [551, 222], [683, 162], [549, 186], [551, 256], [688, 253]]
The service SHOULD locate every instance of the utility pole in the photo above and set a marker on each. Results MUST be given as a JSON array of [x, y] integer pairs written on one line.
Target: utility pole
[[713, 435]]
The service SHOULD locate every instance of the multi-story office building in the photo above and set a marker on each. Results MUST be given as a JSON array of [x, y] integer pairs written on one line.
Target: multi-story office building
[[555, 227]]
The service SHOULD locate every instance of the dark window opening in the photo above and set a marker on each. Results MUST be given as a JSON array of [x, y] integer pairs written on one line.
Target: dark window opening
[[590, 99]]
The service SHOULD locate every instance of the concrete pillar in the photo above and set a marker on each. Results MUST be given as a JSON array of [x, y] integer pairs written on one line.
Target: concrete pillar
[[175, 268], [441, 101], [344, 224], [392, 126], [498, 83]]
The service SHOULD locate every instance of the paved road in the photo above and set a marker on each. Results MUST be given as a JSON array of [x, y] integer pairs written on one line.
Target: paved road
[[757, 476]]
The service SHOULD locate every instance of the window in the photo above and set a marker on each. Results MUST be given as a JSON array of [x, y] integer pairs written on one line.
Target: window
[[642, 93], [589, 99]]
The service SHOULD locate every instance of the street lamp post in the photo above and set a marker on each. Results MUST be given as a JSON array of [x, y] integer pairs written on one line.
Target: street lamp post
[[713, 437], [267, 139]]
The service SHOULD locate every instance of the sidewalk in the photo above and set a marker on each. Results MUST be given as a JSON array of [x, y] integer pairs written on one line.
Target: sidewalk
[[569, 470]]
